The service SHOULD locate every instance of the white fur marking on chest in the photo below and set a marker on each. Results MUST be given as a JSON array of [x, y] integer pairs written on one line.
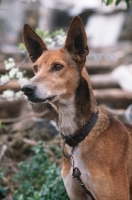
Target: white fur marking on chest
[[85, 175]]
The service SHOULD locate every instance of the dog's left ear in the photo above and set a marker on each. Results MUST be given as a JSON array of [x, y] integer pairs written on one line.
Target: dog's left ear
[[76, 41], [33, 43]]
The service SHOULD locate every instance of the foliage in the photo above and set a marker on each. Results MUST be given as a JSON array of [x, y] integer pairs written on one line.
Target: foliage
[[55, 38], [1, 127], [108, 2], [3, 189], [55, 150], [51, 39], [39, 179]]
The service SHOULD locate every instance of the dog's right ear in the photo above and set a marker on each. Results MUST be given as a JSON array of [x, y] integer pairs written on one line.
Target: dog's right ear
[[76, 41], [33, 43]]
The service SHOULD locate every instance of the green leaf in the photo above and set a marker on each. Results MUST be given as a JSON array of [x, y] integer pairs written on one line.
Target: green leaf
[[21, 197], [39, 32], [1, 174], [30, 198], [3, 191], [128, 4], [36, 195], [39, 178], [1, 125], [109, 2], [117, 2], [22, 47]]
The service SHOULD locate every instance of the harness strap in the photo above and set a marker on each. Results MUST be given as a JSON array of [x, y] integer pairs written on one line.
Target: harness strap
[[76, 174], [63, 150], [73, 140]]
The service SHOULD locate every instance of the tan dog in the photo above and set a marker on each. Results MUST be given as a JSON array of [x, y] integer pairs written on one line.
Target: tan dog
[[103, 155]]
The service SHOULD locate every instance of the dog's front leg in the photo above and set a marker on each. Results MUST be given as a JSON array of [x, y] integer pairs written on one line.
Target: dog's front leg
[[74, 190]]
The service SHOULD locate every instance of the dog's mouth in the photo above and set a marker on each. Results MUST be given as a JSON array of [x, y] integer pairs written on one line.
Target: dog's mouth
[[46, 100]]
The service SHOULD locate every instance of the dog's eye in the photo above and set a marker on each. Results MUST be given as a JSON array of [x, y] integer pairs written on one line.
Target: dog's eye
[[57, 67], [35, 68]]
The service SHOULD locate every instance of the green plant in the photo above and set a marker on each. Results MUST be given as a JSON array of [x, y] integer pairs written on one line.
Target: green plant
[[3, 190], [56, 150], [1, 127], [39, 179], [51, 39], [108, 2]]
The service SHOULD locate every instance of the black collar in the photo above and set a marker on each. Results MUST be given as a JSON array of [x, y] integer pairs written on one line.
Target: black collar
[[78, 136]]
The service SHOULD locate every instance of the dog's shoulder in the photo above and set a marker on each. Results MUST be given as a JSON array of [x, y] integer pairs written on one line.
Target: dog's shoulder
[[110, 129], [109, 138], [109, 122]]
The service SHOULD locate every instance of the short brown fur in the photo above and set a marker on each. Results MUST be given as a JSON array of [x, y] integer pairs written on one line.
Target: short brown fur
[[104, 157]]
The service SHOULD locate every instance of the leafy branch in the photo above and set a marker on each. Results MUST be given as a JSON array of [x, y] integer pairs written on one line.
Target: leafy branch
[[108, 2]]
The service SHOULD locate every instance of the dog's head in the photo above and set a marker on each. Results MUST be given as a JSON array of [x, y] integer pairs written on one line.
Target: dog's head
[[57, 72]]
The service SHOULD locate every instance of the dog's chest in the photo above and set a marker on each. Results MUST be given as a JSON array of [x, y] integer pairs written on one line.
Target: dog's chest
[[74, 189]]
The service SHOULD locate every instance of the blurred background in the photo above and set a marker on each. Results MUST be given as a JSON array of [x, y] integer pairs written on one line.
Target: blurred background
[[109, 64]]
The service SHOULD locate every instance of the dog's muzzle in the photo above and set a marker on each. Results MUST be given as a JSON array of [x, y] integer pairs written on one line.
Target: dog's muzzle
[[28, 90]]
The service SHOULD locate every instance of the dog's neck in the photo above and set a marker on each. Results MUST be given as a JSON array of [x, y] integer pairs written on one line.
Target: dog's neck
[[74, 112], [66, 116]]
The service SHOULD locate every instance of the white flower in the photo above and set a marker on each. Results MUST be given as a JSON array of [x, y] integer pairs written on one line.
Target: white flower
[[18, 95], [51, 45], [22, 81], [19, 75], [4, 78], [48, 40], [13, 72], [9, 64], [8, 94], [60, 39], [10, 59]]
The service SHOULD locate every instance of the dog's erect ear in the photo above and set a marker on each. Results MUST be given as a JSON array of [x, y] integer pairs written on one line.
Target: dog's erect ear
[[33, 43], [76, 41]]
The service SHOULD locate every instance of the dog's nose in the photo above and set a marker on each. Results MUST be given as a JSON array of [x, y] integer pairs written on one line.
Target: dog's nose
[[28, 89]]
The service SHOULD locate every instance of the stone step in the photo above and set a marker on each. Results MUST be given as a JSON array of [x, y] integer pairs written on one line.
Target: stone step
[[100, 67], [113, 98], [103, 81]]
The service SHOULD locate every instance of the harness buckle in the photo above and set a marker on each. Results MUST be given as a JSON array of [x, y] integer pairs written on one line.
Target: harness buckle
[[76, 173]]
